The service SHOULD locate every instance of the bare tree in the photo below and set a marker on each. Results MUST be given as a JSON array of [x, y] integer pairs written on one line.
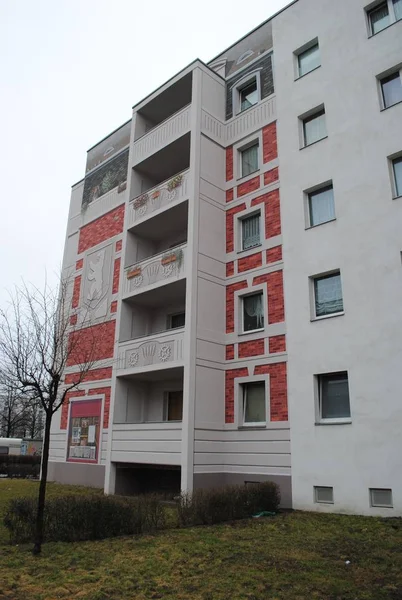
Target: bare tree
[[13, 411], [37, 343]]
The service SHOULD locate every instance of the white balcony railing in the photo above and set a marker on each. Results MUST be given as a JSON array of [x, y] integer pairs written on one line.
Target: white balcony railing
[[155, 271], [159, 349], [159, 197], [162, 135]]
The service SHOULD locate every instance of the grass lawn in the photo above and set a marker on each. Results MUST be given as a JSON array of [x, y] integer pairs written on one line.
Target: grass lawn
[[293, 556]]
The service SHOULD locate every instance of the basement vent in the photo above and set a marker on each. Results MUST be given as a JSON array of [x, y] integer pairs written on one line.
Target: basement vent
[[324, 495], [381, 498]]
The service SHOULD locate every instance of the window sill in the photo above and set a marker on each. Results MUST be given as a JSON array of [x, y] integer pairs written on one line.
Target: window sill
[[313, 143], [391, 106], [252, 331], [338, 314], [248, 175], [308, 73], [253, 426], [334, 422], [241, 112], [385, 28], [397, 197], [248, 249], [319, 224]]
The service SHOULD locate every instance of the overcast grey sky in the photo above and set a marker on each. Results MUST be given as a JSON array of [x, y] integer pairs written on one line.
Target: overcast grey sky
[[70, 72]]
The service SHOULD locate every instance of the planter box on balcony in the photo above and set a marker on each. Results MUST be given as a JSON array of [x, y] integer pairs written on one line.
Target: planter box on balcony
[[134, 273], [166, 260]]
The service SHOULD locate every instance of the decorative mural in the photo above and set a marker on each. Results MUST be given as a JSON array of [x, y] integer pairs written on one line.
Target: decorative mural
[[149, 353], [110, 146], [267, 81], [97, 282], [104, 179]]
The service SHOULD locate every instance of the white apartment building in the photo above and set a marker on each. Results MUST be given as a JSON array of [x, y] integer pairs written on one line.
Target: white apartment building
[[239, 242]]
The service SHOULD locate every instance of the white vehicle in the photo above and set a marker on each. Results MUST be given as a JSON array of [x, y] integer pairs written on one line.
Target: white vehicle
[[10, 446]]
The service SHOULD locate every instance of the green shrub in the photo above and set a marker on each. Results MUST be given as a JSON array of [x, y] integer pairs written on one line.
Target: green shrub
[[19, 466], [209, 506], [74, 518]]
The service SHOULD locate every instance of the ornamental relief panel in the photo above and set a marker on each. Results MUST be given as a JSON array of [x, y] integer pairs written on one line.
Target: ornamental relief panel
[[149, 353]]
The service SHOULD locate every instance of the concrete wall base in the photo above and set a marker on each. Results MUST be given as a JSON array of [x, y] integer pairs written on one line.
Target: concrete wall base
[[205, 480], [77, 474]]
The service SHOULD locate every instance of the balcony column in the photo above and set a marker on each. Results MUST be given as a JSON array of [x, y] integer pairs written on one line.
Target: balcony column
[[187, 458]]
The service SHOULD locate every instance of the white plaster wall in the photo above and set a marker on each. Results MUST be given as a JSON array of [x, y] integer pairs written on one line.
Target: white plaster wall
[[364, 243]]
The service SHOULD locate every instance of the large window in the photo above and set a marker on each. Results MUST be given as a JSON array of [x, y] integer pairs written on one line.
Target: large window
[[308, 60], [254, 403], [250, 231], [333, 396], [397, 173], [253, 312], [391, 88], [84, 430], [321, 206], [174, 406], [384, 14], [248, 94], [249, 160], [328, 298], [314, 127]]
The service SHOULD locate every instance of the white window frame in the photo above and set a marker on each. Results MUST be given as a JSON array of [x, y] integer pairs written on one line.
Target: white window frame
[[297, 53], [393, 71], [253, 292], [239, 85], [238, 148], [319, 487], [238, 401], [312, 279], [316, 111], [243, 149], [319, 420], [391, 160], [373, 6], [306, 198], [372, 505], [244, 216]]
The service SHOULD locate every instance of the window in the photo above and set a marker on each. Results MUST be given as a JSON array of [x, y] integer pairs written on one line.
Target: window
[[323, 495], [308, 60], [253, 312], [174, 406], [384, 14], [254, 403], [177, 320], [314, 128], [328, 295], [250, 231], [248, 94], [381, 498], [84, 429], [397, 171], [321, 206], [391, 88], [249, 160], [333, 396]]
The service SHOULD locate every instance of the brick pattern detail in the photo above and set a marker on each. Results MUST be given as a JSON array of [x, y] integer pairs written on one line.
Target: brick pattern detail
[[229, 391], [269, 143], [251, 348], [229, 163], [76, 292], [230, 352], [92, 375], [230, 269], [79, 264], [276, 307], [271, 176], [277, 343], [92, 392], [119, 245], [73, 320], [272, 212], [113, 306], [277, 388], [274, 254], [65, 405], [230, 226], [248, 186], [106, 409], [116, 276], [101, 229], [249, 262], [229, 195], [230, 290], [96, 342]]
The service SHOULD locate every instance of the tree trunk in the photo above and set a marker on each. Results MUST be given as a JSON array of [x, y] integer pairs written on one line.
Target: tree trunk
[[42, 487]]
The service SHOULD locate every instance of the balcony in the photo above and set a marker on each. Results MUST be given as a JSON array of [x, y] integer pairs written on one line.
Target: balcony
[[156, 199], [158, 351], [155, 271]]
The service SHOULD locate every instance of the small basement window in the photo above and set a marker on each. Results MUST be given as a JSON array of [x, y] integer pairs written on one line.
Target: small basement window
[[323, 494], [381, 498]]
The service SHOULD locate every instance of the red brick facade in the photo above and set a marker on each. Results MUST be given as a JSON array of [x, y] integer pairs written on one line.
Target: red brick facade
[[249, 262], [230, 226], [95, 342], [277, 343], [251, 348], [106, 391], [269, 143], [119, 245], [101, 229], [276, 307], [79, 264], [230, 290], [116, 275], [248, 186], [271, 176], [230, 352], [92, 375], [274, 254], [76, 292], [230, 269], [272, 212], [73, 320], [229, 391], [113, 306], [229, 163], [229, 195]]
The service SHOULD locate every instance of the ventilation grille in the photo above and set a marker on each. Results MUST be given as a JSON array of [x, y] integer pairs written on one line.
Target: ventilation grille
[[324, 495], [381, 498]]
